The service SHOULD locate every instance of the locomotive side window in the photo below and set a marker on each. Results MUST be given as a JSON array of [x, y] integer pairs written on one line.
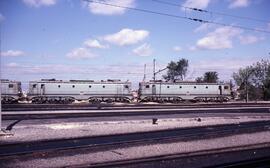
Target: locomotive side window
[[34, 85], [126, 86], [42, 85], [90, 86], [206, 87], [180, 87], [168, 86], [59, 86], [226, 87], [147, 86], [103, 86], [195, 87], [73, 86], [10, 85]]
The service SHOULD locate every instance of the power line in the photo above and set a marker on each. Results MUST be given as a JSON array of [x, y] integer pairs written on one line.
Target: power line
[[176, 16], [212, 12]]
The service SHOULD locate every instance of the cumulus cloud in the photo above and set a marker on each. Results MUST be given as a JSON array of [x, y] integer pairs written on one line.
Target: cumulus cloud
[[102, 9], [143, 50], [202, 4], [94, 44], [39, 3], [203, 27], [221, 38], [80, 53], [238, 3], [177, 48], [12, 53], [249, 39], [12, 64], [126, 37]]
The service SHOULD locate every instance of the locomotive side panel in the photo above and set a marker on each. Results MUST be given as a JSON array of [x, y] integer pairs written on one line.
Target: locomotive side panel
[[150, 91], [96, 91]]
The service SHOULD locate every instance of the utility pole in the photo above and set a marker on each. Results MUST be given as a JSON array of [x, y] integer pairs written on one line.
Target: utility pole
[[154, 69], [246, 88], [144, 71], [0, 81]]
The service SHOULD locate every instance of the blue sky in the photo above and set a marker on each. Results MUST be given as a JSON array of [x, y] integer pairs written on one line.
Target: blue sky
[[72, 39]]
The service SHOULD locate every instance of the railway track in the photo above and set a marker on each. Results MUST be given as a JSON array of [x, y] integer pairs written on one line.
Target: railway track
[[45, 107], [109, 142], [233, 157], [24, 115]]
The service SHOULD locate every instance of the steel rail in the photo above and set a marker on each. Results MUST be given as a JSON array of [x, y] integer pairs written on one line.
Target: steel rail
[[24, 115], [44, 107]]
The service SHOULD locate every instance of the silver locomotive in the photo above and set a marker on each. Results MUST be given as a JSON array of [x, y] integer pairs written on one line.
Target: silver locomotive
[[11, 91], [160, 91], [58, 91]]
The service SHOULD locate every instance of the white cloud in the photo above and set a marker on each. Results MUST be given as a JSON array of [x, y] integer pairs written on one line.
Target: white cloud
[[177, 48], [238, 3], [94, 44], [221, 38], [39, 3], [143, 50], [2, 18], [249, 39], [127, 37], [80, 53], [203, 27], [202, 4], [268, 26], [12, 64], [103, 9], [12, 53]]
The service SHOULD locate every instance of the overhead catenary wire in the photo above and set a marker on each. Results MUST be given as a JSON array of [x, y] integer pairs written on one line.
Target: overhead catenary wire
[[211, 12], [177, 16]]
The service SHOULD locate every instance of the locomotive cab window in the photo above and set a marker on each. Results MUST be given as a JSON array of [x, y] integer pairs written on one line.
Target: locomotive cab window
[[10, 85], [126, 86], [226, 87], [147, 86], [42, 85], [34, 85]]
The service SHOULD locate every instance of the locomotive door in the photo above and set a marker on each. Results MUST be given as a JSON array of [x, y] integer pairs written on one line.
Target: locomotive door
[[119, 90], [42, 89], [220, 90], [154, 90]]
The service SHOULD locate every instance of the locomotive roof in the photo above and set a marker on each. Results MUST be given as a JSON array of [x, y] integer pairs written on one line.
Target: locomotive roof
[[77, 81], [182, 82], [9, 81]]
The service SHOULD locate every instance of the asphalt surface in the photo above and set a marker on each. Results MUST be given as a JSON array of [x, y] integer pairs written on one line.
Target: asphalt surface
[[118, 140], [6, 123]]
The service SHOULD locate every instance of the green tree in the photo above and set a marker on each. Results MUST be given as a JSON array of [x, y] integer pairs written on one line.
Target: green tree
[[261, 78], [210, 77], [176, 70], [199, 80]]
